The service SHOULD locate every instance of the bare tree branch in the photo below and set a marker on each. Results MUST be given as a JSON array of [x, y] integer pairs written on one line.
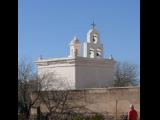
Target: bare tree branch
[[125, 74], [28, 82]]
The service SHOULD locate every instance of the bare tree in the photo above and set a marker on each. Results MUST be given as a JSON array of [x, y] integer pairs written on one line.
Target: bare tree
[[125, 75], [59, 103], [28, 81]]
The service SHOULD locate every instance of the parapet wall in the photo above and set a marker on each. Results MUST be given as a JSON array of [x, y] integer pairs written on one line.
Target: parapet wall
[[108, 100]]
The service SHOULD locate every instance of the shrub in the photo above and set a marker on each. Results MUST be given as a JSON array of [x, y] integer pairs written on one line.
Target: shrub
[[98, 116], [20, 116]]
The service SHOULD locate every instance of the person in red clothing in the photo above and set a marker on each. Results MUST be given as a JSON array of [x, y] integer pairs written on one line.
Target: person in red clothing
[[132, 114]]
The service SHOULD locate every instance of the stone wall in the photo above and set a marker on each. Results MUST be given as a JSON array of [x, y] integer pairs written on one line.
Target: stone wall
[[103, 100]]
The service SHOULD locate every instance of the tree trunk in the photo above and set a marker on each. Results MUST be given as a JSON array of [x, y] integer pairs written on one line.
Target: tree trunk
[[27, 116]]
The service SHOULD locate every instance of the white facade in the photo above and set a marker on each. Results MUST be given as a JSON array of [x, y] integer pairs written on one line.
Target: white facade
[[90, 70]]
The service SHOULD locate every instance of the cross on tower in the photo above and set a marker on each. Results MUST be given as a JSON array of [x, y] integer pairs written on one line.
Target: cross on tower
[[93, 25]]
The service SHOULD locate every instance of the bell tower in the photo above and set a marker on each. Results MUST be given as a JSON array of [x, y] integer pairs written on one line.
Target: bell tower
[[93, 48]]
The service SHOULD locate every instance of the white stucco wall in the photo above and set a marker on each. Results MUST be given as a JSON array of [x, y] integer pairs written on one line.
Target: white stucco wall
[[63, 73], [79, 72], [94, 74]]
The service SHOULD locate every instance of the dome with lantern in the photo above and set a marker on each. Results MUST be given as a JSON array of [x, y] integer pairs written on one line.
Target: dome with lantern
[[75, 40]]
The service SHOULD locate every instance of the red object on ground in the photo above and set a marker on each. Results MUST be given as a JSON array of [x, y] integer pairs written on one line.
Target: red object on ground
[[132, 115]]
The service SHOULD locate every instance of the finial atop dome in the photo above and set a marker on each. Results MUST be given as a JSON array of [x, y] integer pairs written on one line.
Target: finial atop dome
[[75, 38], [40, 57], [110, 57]]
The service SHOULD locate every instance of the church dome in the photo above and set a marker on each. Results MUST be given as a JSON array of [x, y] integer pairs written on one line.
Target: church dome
[[75, 41]]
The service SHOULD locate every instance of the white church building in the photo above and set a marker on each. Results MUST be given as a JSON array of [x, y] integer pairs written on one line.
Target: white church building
[[87, 69]]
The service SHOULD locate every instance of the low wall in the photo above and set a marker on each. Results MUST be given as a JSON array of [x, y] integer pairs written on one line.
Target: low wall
[[108, 100]]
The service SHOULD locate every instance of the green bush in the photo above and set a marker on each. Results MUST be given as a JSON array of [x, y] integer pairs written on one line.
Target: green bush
[[20, 116], [97, 117], [94, 117]]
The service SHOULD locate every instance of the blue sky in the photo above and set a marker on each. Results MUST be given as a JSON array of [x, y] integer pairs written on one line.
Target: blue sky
[[45, 27]]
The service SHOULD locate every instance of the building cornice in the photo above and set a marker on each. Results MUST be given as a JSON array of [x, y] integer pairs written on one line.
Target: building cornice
[[77, 61]]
